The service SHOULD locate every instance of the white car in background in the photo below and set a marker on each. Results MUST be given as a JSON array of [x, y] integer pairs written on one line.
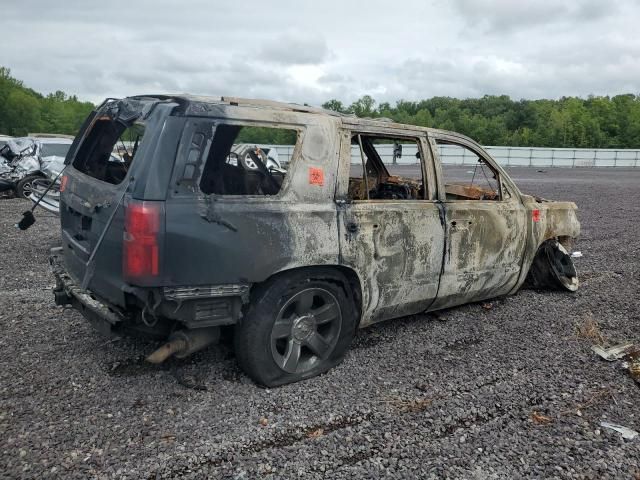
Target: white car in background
[[248, 155], [51, 167]]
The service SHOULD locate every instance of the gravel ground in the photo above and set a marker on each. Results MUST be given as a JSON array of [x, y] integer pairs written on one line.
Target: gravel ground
[[451, 395]]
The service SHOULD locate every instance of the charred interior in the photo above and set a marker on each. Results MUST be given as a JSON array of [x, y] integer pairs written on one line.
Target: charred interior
[[485, 180], [374, 182], [236, 168]]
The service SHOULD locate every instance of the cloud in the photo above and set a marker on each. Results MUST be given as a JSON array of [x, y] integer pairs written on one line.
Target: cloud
[[294, 49], [498, 16], [310, 52]]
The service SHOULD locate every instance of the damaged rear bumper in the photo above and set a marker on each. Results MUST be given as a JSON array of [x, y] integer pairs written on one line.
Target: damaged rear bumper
[[190, 307], [102, 316]]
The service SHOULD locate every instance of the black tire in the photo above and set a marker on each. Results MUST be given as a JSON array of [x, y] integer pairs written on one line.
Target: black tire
[[24, 186], [279, 308], [553, 268], [248, 160]]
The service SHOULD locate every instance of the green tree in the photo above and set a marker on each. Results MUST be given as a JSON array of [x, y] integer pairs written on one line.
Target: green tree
[[22, 113]]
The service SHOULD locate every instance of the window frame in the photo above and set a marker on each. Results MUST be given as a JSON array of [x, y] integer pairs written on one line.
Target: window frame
[[295, 156], [88, 136], [506, 188], [425, 161]]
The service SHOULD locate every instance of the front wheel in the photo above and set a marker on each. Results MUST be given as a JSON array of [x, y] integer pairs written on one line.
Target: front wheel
[[297, 326], [553, 268], [24, 188]]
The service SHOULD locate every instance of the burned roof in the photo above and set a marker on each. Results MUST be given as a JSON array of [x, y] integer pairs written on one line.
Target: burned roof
[[204, 105]]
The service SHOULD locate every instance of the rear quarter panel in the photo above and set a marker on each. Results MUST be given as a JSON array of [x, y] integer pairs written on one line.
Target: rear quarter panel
[[214, 239]]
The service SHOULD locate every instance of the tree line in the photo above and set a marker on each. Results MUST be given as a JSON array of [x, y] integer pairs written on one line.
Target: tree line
[[593, 122], [23, 110]]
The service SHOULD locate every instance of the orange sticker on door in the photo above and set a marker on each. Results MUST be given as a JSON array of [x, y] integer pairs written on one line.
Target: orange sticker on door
[[316, 176]]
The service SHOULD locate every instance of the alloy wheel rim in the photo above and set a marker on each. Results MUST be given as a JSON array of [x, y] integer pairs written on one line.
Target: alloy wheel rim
[[306, 330], [27, 190]]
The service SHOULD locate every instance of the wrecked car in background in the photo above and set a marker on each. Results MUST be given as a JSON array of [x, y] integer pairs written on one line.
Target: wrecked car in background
[[46, 195], [24, 160], [183, 239]]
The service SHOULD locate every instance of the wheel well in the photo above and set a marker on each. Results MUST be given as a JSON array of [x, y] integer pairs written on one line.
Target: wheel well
[[538, 269], [35, 173], [351, 284]]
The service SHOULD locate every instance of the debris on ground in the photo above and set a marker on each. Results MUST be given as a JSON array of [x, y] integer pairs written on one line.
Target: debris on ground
[[626, 433], [316, 433], [614, 353], [487, 306], [632, 363], [540, 419], [576, 255], [627, 352]]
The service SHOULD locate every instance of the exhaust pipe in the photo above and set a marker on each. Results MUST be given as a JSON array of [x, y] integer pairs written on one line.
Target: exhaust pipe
[[184, 343]]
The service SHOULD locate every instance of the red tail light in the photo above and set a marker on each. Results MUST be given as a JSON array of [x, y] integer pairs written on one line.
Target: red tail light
[[63, 183], [141, 252]]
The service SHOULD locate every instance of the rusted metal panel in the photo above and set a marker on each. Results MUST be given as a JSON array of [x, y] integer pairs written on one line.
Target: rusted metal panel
[[395, 246]]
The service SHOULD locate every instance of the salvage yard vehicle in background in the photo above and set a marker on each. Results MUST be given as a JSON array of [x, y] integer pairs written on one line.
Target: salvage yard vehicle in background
[[26, 159], [183, 240], [46, 195]]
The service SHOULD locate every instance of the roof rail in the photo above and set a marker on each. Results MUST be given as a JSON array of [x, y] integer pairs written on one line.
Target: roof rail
[[282, 105]]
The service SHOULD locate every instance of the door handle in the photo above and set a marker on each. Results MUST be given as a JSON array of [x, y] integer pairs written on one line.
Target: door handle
[[352, 227]]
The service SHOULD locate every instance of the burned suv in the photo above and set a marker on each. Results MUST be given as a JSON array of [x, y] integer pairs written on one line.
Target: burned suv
[[183, 239]]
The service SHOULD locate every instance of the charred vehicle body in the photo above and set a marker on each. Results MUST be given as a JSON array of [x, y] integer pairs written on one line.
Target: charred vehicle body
[[183, 240]]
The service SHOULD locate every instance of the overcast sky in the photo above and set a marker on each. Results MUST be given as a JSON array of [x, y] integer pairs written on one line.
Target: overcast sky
[[311, 51]]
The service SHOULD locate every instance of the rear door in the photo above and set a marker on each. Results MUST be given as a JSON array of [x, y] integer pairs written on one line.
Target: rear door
[[391, 230], [485, 224]]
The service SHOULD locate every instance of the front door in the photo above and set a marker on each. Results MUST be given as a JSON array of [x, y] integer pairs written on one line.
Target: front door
[[485, 225], [390, 227]]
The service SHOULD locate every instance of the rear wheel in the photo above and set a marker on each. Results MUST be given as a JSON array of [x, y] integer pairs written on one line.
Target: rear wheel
[[297, 326]]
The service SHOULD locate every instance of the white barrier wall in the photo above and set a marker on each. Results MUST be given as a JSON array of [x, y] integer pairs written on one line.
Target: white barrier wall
[[506, 156]]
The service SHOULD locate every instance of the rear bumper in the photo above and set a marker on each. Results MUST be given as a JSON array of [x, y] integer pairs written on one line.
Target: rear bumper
[[67, 292], [192, 307]]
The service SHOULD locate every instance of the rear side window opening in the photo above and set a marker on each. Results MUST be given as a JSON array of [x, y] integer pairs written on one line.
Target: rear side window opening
[[109, 150], [248, 160]]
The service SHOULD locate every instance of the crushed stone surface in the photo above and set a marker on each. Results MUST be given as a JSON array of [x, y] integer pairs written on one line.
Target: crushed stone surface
[[508, 390]]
